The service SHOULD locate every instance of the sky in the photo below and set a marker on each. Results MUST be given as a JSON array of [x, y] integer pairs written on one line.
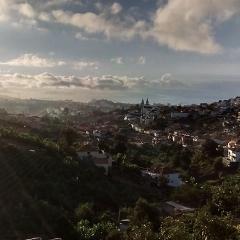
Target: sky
[[176, 51]]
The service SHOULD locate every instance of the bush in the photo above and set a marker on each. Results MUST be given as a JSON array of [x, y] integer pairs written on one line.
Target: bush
[[85, 211]]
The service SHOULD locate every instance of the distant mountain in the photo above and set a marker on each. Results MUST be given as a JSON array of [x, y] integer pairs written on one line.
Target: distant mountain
[[105, 104]]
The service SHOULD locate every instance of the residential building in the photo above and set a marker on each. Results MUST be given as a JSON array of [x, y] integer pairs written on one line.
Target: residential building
[[99, 158], [173, 178], [233, 152], [175, 209]]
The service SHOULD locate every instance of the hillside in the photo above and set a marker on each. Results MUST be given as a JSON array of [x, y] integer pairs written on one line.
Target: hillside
[[41, 186]]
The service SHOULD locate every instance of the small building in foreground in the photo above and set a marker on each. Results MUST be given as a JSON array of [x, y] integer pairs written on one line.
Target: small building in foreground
[[173, 178], [175, 209]]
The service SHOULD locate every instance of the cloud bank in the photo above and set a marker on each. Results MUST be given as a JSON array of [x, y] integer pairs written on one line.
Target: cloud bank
[[105, 82], [47, 80]]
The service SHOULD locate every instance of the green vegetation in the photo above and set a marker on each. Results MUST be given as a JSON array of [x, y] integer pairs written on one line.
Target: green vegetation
[[47, 191]]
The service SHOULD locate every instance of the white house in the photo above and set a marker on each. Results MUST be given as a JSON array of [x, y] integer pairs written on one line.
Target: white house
[[233, 152], [173, 179], [234, 155]]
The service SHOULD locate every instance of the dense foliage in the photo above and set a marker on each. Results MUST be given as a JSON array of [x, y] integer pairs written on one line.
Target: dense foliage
[[46, 191]]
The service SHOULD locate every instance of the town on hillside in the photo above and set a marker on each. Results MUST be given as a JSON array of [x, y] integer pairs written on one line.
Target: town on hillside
[[112, 167]]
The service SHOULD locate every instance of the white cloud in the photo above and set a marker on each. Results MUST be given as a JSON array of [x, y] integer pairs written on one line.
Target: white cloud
[[26, 10], [116, 8], [85, 64], [168, 81], [93, 23], [31, 60], [4, 10], [80, 36], [141, 60], [44, 16], [188, 25], [89, 21], [118, 60]]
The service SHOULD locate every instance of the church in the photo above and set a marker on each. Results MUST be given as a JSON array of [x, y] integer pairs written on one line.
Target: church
[[148, 112]]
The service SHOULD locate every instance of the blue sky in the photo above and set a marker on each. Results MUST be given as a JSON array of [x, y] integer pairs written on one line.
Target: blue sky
[[121, 50]]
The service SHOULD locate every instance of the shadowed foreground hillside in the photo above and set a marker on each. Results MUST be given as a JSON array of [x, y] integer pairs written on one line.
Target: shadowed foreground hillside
[[47, 191], [41, 186]]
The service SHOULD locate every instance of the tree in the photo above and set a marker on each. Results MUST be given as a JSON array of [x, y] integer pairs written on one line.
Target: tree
[[70, 136], [207, 226], [146, 212], [120, 143], [226, 197], [161, 124], [174, 229], [84, 230], [114, 235], [98, 231], [162, 182], [218, 164], [85, 211], [210, 148], [198, 226], [142, 232], [190, 195]]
